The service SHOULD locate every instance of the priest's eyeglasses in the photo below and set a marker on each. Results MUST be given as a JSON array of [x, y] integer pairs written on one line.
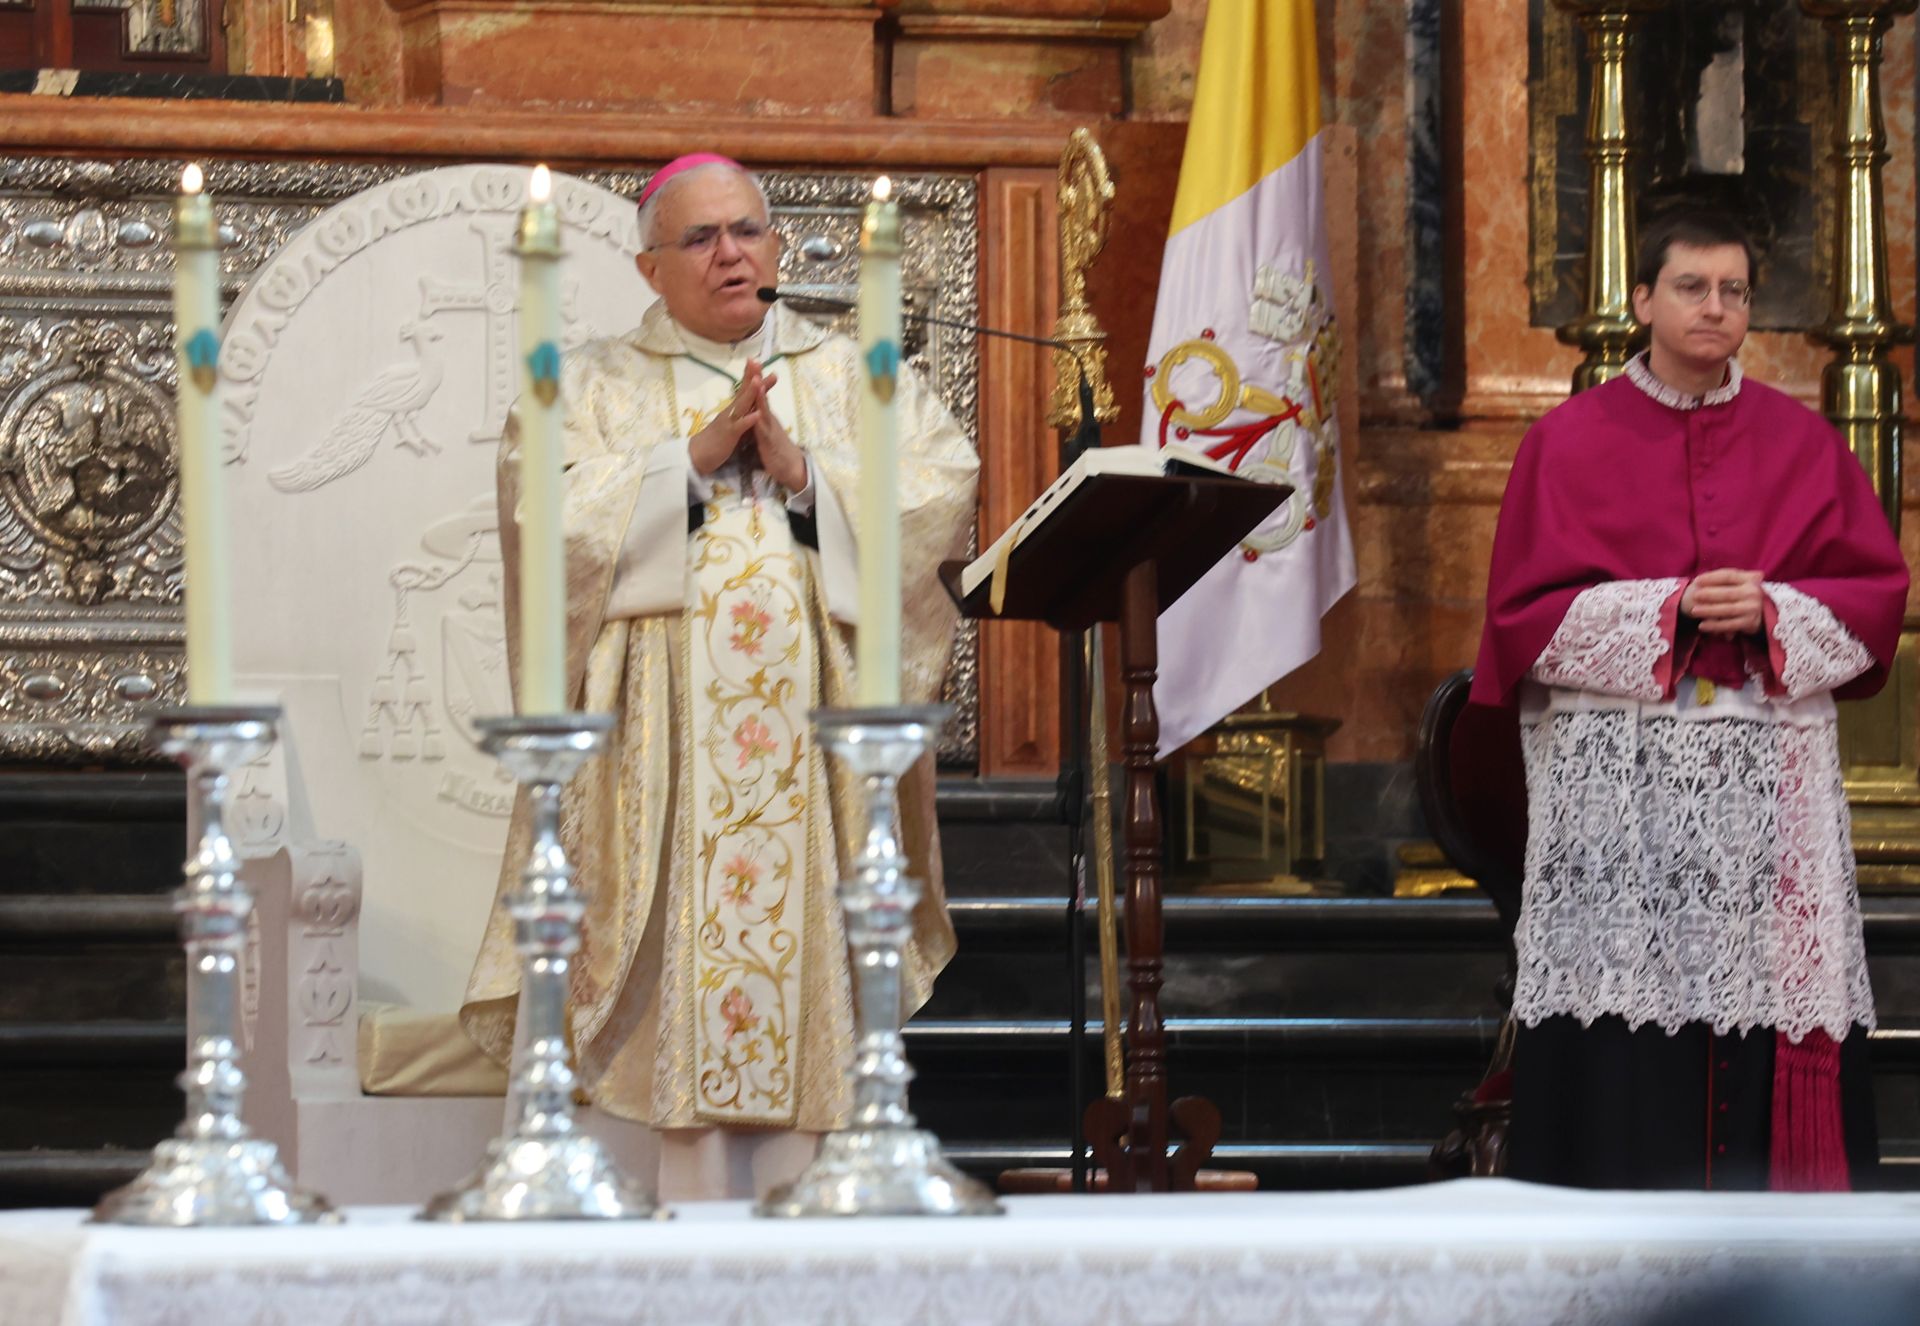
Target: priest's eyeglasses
[[697, 240], [1693, 289]]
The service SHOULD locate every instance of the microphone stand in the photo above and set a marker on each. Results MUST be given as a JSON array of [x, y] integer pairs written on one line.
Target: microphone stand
[[1071, 787], [1085, 437]]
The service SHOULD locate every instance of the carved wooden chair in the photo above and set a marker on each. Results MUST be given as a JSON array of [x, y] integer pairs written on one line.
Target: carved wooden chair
[[1473, 792]]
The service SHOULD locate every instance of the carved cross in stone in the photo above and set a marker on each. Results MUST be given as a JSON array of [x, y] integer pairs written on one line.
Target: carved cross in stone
[[496, 296]]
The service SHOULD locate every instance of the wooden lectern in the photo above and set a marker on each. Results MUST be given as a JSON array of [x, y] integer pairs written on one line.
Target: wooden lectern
[[1120, 548]]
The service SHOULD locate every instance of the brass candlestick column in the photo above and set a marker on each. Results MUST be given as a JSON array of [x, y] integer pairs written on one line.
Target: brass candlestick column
[[1607, 331], [1860, 390], [1860, 394]]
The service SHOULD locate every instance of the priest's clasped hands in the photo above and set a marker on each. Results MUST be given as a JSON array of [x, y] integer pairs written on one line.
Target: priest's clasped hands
[[749, 427], [1725, 602]]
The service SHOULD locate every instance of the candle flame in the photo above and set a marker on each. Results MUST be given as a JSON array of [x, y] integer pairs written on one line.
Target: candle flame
[[192, 179], [540, 187], [882, 189]]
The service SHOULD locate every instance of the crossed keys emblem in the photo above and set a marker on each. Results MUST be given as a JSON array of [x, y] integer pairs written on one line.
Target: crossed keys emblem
[[1270, 410], [1180, 420]]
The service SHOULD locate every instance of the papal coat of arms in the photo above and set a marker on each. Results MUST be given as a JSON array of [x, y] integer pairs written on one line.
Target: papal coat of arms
[[1198, 389]]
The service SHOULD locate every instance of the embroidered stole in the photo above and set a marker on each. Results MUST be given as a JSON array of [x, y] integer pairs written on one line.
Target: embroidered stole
[[750, 682]]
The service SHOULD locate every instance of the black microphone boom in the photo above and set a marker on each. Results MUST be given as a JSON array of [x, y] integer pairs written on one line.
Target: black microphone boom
[[1086, 436]]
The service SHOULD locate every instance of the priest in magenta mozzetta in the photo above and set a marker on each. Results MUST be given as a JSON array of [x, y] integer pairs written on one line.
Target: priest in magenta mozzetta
[[1690, 569], [711, 531]]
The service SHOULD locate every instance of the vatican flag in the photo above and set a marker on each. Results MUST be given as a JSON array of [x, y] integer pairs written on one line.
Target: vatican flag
[[1244, 361]]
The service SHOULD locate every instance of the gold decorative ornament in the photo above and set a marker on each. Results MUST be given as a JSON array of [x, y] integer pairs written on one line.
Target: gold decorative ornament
[[1248, 805], [1085, 200]]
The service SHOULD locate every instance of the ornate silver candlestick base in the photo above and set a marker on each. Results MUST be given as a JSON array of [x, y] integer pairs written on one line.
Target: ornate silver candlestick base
[[880, 1164], [543, 1167], [212, 1172]]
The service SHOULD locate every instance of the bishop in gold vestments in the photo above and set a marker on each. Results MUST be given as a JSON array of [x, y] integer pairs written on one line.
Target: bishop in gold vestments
[[711, 995]]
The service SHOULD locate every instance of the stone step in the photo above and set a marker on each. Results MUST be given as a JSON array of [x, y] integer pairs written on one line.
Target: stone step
[[44, 1177], [91, 833], [1283, 1166], [89, 958], [1276, 1166], [1271, 957], [69, 1106], [1296, 1080]]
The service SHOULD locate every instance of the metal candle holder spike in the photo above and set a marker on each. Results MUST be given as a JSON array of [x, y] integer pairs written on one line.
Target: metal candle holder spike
[[880, 1164], [212, 1171], [543, 1167]]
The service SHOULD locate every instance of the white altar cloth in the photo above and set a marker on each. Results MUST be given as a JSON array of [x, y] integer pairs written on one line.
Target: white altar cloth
[[1479, 1251]]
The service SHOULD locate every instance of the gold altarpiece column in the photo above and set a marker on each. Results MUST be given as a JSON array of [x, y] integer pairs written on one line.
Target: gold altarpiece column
[[1608, 329], [1860, 393]]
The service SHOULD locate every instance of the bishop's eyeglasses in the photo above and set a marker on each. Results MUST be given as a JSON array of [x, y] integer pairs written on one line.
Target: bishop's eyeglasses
[[1693, 289], [697, 240]]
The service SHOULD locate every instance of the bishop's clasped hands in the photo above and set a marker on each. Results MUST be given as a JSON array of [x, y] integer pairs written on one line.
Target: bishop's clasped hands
[[749, 418]]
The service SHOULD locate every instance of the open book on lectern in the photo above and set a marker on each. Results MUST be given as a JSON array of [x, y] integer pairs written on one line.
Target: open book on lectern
[[1135, 459]]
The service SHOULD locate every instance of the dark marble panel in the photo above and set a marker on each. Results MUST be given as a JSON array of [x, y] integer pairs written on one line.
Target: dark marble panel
[[1896, 984], [1784, 107], [989, 983], [1429, 371], [986, 859], [1896, 1097], [1329, 984], [189, 87], [984, 1098], [1373, 808], [997, 985]]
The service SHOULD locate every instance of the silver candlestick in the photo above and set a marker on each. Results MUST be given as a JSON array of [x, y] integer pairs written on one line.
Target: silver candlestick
[[881, 1164], [543, 1167], [212, 1171]]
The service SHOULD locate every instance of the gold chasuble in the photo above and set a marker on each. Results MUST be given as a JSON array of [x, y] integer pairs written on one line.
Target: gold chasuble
[[712, 985]]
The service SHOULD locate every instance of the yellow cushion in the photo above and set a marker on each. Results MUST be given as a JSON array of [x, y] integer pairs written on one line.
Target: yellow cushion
[[406, 1052]]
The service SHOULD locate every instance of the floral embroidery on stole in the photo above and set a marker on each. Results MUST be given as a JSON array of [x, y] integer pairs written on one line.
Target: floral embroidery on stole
[[750, 683]]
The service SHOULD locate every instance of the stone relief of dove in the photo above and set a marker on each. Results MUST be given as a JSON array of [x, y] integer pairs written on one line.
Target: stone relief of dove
[[392, 401]]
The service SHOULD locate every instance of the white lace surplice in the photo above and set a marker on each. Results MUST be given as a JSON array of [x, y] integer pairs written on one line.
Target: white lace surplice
[[1688, 860]]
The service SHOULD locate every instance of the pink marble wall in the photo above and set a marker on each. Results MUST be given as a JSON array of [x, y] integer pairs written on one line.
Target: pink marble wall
[[1423, 504], [1162, 60]]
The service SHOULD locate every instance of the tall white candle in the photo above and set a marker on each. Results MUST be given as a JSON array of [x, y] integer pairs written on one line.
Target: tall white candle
[[203, 498], [543, 575], [877, 652]]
